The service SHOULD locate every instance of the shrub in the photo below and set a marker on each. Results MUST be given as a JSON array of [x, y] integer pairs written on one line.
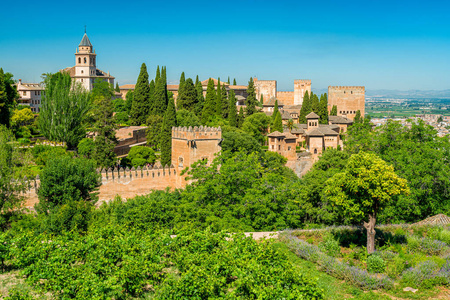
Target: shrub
[[426, 245], [17, 294], [330, 246], [86, 147], [425, 275], [396, 267], [375, 263], [144, 154]]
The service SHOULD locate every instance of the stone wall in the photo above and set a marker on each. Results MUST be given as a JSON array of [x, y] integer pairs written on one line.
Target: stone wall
[[267, 88], [300, 87], [348, 100], [287, 98]]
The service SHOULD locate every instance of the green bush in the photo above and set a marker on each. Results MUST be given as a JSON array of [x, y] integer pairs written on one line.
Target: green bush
[[330, 246], [86, 147], [17, 294], [375, 264], [396, 267], [140, 156]]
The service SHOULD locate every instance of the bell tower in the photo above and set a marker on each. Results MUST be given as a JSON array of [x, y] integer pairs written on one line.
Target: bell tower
[[85, 64]]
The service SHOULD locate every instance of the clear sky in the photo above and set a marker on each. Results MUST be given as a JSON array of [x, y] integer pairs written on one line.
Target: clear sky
[[379, 44]]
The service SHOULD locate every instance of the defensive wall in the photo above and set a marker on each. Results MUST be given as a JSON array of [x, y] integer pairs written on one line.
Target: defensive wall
[[188, 146], [348, 100], [301, 86], [268, 88]]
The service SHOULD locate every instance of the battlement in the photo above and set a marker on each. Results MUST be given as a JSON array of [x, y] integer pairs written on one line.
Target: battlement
[[193, 133], [307, 81], [342, 88]]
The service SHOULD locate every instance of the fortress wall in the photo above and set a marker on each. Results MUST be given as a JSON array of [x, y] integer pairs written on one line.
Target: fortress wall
[[348, 100], [267, 88], [287, 98], [300, 87]]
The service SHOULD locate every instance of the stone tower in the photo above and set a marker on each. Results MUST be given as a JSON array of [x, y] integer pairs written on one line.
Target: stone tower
[[348, 99], [85, 65]]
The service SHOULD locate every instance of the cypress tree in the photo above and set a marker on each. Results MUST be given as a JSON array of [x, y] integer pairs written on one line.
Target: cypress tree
[[234, 81], [251, 98], [224, 102], [333, 111], [358, 118], [262, 100], [240, 118], [164, 78], [188, 97], [200, 99], [180, 90], [152, 97], [170, 120], [140, 107], [275, 111], [228, 81], [277, 123], [323, 108], [218, 99], [232, 111], [196, 80], [314, 103], [117, 87], [209, 107], [158, 74], [306, 108], [8, 95]]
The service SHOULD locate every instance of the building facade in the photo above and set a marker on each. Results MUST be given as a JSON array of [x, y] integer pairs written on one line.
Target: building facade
[[85, 70], [30, 95]]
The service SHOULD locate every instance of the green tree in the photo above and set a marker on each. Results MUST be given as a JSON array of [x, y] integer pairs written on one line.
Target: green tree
[[22, 117], [104, 126], [277, 123], [314, 103], [8, 96], [256, 125], [234, 81], [323, 109], [218, 103], [224, 97], [290, 124], [63, 108], [228, 81], [161, 97], [275, 111], [306, 108], [358, 118], [235, 141], [188, 97], [181, 85], [333, 111], [153, 133], [363, 189], [209, 107], [140, 107], [11, 185], [251, 101], [200, 99], [158, 75], [117, 89], [65, 179], [241, 117], [139, 156], [170, 120], [187, 118], [86, 148], [232, 115]]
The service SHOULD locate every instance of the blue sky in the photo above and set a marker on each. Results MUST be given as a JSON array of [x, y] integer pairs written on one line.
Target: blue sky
[[379, 44]]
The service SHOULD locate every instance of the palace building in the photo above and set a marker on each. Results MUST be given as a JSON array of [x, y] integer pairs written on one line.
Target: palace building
[[85, 70]]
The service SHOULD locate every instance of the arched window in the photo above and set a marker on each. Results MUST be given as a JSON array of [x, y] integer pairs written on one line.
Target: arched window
[[180, 162], [315, 150], [85, 60], [79, 60], [82, 71]]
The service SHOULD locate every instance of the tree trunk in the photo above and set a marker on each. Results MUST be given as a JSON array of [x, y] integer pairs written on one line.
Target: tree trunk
[[370, 227]]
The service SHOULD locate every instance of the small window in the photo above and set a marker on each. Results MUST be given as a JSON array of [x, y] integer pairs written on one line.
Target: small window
[[79, 60], [82, 71], [273, 147], [289, 148], [279, 147], [85, 60], [315, 151], [351, 92], [180, 162]]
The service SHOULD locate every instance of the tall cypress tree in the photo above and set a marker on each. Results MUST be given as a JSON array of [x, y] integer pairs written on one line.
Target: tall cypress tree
[[170, 120], [210, 100], [277, 123], [228, 81], [358, 118], [224, 97], [161, 97], [251, 101], [333, 111], [164, 78], [117, 89], [241, 117], [234, 81], [218, 105], [188, 97], [200, 99], [275, 110], [196, 80], [158, 74], [8, 95], [323, 108], [306, 108], [140, 107], [314, 103], [232, 110], [180, 89], [152, 97]]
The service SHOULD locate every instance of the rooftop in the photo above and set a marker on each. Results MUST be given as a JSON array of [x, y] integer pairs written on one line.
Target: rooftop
[[312, 115], [85, 41]]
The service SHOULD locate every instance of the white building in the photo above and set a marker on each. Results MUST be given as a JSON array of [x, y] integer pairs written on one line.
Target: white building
[[85, 70], [30, 95]]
